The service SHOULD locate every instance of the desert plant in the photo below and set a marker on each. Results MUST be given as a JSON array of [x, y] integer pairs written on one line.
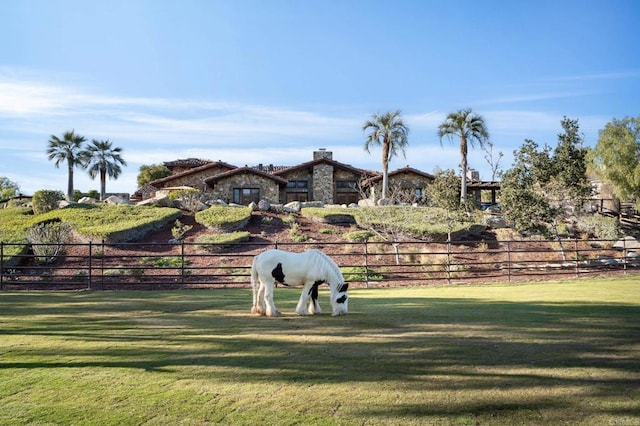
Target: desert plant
[[45, 200], [180, 229], [47, 240]]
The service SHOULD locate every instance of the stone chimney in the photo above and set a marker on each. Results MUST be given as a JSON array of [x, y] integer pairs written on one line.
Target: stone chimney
[[322, 153]]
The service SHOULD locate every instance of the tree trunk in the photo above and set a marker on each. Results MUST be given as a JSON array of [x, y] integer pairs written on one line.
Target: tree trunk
[[385, 169], [463, 166], [70, 181], [103, 184]]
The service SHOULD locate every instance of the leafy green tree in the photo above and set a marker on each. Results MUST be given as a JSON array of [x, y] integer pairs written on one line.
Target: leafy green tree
[[521, 190], [444, 193], [67, 149], [468, 127], [544, 186], [8, 188], [389, 131], [616, 157], [153, 172], [104, 159]]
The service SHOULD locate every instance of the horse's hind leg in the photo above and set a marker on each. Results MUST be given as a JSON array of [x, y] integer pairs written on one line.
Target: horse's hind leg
[[258, 299], [270, 307]]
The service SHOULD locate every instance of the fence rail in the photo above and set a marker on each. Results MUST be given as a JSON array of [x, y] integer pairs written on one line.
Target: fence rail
[[372, 264]]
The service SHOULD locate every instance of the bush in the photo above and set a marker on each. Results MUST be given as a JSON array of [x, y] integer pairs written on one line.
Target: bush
[[213, 242], [45, 200], [600, 227], [224, 218], [47, 240]]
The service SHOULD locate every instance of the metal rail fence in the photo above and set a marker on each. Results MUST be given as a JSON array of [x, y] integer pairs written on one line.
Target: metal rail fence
[[367, 264]]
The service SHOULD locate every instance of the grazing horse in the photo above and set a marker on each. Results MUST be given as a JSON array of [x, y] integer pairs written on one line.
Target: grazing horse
[[309, 269]]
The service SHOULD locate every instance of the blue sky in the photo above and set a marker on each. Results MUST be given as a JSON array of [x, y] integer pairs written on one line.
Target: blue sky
[[270, 81]]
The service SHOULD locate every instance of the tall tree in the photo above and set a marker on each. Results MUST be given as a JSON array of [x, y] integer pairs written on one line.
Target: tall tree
[[469, 127], [390, 131], [105, 160], [617, 157], [69, 149], [545, 186], [8, 188], [153, 172]]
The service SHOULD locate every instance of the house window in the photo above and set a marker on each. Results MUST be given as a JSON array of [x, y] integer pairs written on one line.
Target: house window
[[346, 184], [246, 196], [297, 184], [297, 196]]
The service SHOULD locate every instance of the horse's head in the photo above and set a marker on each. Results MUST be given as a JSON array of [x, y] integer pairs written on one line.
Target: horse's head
[[340, 300]]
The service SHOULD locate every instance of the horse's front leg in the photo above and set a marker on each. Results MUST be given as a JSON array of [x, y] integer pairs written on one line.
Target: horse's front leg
[[308, 303]]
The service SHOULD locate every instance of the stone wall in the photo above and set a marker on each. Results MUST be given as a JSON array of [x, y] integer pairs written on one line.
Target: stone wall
[[323, 183], [223, 188], [196, 180]]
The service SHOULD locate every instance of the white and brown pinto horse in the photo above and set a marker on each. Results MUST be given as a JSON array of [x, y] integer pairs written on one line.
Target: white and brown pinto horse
[[308, 269]]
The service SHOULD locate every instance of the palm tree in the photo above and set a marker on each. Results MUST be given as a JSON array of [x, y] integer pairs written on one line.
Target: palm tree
[[68, 149], [390, 131], [469, 127], [102, 158]]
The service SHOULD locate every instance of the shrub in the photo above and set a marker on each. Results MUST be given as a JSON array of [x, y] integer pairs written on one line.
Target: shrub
[[213, 242], [225, 218], [602, 228], [47, 240], [179, 229], [45, 200], [360, 273], [358, 236]]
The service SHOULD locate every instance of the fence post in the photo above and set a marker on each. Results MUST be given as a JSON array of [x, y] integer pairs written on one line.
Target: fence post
[[182, 263], [366, 264], [1, 264], [624, 253], [508, 261], [449, 261], [575, 245], [102, 266], [90, 263]]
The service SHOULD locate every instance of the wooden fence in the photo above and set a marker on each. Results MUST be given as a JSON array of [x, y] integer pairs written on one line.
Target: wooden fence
[[371, 264]]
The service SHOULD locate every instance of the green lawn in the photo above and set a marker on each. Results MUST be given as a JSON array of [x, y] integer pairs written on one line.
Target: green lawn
[[541, 353]]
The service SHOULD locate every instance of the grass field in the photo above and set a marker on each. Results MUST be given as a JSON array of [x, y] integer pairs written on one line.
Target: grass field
[[540, 353]]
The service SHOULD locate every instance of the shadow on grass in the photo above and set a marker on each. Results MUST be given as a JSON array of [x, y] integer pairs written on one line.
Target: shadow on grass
[[427, 345]]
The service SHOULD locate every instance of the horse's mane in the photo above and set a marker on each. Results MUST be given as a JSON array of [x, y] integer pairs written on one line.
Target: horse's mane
[[327, 263]]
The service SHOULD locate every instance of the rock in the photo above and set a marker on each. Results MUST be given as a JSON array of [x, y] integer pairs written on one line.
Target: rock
[[162, 201], [263, 205], [292, 207], [367, 202], [628, 242], [385, 202], [495, 221], [253, 206], [113, 199], [87, 200]]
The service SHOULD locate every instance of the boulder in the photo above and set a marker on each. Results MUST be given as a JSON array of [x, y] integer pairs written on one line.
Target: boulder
[[264, 206], [292, 207], [87, 200], [113, 199], [367, 202], [495, 221], [162, 201], [628, 242]]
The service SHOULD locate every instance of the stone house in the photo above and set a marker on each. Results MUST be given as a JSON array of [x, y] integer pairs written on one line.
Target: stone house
[[411, 182], [321, 179]]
